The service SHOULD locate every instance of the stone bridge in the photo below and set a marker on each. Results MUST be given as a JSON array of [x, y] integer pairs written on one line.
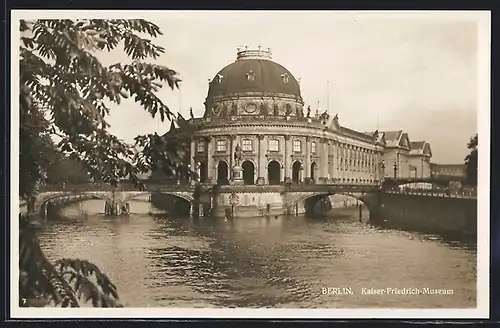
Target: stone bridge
[[118, 196], [310, 195]]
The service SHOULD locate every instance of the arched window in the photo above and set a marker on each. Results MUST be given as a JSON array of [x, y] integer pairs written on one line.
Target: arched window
[[313, 147]]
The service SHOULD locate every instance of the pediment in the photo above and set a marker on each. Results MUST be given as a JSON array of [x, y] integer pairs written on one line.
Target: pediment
[[404, 141], [381, 139], [427, 149], [333, 123]]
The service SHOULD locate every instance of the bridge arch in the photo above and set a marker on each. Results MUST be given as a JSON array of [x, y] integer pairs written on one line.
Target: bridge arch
[[362, 197], [44, 199], [184, 196]]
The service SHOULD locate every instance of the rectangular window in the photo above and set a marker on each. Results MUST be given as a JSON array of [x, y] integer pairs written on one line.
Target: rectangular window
[[221, 145], [247, 145], [313, 147], [274, 145], [201, 146], [297, 146]]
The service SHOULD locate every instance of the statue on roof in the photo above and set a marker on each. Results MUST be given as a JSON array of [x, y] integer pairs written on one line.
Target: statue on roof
[[325, 116], [308, 111], [276, 110], [191, 112]]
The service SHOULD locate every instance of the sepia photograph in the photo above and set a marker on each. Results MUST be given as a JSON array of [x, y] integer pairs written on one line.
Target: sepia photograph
[[277, 164]]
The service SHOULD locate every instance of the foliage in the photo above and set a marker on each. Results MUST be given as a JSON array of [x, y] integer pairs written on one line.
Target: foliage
[[64, 283], [66, 170], [65, 93], [471, 161]]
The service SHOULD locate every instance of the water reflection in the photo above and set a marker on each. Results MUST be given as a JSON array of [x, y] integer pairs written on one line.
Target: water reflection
[[157, 260]]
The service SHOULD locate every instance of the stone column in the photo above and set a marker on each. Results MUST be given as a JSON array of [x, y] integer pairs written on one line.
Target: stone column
[[370, 166], [324, 162], [210, 160], [357, 171], [331, 161], [341, 162], [307, 167], [349, 162], [262, 161], [287, 160], [192, 154], [335, 163]]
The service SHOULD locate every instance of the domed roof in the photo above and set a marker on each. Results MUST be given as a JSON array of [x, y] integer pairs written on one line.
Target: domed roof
[[253, 71]]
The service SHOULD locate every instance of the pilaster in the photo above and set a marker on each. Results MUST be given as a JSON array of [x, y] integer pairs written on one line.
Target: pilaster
[[324, 160], [232, 145], [210, 160], [262, 160], [308, 159], [192, 154], [287, 160]]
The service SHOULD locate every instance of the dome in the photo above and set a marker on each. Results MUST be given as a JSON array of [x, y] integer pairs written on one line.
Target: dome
[[253, 71], [253, 85]]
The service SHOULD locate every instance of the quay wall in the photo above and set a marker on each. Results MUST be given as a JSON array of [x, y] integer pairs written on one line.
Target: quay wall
[[432, 214]]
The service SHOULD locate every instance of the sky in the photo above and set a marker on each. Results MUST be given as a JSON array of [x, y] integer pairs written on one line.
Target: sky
[[388, 72]]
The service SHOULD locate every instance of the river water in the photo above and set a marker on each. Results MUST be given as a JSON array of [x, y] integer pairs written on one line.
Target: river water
[[159, 261]]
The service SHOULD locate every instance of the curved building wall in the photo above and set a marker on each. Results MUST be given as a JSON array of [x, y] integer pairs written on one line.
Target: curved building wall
[[325, 156]]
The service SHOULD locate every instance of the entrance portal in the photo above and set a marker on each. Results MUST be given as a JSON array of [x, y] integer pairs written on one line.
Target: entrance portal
[[274, 173], [222, 173], [248, 172], [296, 172]]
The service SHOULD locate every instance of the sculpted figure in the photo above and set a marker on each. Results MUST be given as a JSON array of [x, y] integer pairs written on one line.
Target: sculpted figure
[[308, 111], [223, 111], [234, 109], [264, 109], [237, 155], [276, 110]]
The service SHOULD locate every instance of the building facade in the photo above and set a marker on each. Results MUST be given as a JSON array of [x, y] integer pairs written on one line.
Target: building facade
[[452, 171], [404, 158], [255, 120]]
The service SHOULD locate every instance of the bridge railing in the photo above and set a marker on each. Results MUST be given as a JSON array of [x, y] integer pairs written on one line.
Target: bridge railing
[[335, 186], [441, 192], [122, 187]]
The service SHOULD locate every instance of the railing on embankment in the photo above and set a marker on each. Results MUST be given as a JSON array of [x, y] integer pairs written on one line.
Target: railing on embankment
[[430, 212], [472, 194]]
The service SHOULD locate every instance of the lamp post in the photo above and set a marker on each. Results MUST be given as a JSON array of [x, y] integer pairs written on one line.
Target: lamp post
[[382, 166]]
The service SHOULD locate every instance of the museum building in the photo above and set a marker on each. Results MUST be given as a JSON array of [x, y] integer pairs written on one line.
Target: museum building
[[255, 122]]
